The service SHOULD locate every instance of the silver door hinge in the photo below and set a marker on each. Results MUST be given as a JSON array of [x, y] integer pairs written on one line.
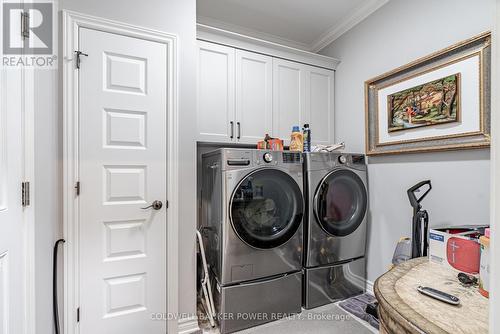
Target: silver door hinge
[[25, 193], [78, 315], [25, 25], [79, 54], [77, 188]]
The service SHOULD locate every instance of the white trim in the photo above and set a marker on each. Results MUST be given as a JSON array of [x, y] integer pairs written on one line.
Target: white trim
[[28, 174], [29, 211], [369, 287], [352, 19], [360, 281], [236, 40], [28, 214], [495, 178], [72, 21], [208, 21], [188, 325]]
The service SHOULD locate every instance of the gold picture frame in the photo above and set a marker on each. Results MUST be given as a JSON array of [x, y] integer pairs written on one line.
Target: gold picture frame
[[477, 47]]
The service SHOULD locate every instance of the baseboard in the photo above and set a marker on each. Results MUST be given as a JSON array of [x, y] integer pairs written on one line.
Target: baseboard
[[369, 287], [360, 281], [188, 325]]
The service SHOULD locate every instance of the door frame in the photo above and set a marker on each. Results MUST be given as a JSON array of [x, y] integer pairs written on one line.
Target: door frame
[[495, 177], [27, 105], [72, 22]]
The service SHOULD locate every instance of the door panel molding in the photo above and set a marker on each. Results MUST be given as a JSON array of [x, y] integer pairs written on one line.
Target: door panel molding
[[254, 96], [72, 22]]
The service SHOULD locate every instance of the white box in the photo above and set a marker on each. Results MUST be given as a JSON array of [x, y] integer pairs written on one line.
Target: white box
[[456, 247]]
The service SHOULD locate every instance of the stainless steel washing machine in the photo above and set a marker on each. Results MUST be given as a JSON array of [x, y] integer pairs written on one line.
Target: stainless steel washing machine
[[336, 223], [252, 214]]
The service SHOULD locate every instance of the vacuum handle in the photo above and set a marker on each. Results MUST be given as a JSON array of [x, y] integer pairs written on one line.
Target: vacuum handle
[[414, 201]]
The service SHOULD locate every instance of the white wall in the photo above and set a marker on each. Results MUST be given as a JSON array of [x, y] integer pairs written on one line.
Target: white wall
[[398, 33], [173, 16]]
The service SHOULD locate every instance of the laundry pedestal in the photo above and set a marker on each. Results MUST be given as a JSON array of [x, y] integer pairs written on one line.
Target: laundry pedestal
[[402, 309]]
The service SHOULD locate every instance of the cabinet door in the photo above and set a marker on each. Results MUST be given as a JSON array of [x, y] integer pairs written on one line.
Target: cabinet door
[[254, 78], [319, 104], [216, 106], [288, 97]]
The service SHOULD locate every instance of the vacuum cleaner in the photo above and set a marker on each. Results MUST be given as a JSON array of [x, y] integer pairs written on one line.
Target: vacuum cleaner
[[420, 222], [418, 244]]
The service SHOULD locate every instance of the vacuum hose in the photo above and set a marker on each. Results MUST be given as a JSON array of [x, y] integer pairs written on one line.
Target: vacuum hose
[[54, 287]]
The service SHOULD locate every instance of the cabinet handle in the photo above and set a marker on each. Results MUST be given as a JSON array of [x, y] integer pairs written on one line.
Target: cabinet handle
[[232, 129], [239, 129]]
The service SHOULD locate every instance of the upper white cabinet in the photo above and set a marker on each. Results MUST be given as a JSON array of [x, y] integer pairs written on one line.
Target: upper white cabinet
[[319, 104], [289, 102], [216, 93], [254, 100], [302, 94], [244, 95]]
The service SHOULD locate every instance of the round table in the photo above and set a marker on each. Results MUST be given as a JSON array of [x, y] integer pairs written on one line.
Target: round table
[[402, 309]]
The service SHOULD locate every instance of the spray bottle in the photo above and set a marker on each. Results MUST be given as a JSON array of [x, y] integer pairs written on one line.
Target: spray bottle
[[307, 138]]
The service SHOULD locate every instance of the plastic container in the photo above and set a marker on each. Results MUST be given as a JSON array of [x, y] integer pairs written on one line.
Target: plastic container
[[307, 138], [274, 144], [296, 140], [484, 269]]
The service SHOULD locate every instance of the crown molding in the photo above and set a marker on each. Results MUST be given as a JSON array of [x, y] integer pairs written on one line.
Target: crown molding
[[265, 47], [351, 20], [208, 21]]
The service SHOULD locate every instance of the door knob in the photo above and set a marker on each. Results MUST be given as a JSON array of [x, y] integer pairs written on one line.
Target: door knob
[[156, 205]]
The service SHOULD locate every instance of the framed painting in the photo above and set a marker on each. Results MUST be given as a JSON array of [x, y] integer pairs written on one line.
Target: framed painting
[[439, 102]]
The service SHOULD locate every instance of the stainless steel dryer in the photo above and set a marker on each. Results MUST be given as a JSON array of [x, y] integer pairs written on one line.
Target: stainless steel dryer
[[335, 237], [252, 213]]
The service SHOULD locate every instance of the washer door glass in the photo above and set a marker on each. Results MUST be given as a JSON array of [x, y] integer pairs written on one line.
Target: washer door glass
[[266, 208], [340, 203]]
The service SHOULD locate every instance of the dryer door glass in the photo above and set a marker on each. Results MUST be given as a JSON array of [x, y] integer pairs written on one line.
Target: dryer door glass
[[340, 203], [266, 208]]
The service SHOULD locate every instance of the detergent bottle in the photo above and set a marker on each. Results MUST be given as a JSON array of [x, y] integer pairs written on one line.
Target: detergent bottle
[[296, 140]]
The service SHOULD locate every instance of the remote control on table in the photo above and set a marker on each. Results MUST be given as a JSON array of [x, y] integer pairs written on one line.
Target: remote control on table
[[439, 295]]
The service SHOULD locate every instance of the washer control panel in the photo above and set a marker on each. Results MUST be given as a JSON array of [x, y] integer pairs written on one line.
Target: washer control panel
[[267, 157], [343, 159], [292, 157]]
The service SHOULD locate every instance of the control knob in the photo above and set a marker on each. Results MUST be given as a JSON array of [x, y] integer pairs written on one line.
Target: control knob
[[268, 157]]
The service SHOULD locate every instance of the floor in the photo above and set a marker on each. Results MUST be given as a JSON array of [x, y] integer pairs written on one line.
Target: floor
[[325, 319]]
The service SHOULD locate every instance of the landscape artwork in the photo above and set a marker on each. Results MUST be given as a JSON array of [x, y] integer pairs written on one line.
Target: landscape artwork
[[431, 103]]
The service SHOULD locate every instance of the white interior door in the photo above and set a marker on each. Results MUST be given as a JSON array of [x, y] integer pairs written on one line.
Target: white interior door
[[12, 257], [122, 154], [254, 100]]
